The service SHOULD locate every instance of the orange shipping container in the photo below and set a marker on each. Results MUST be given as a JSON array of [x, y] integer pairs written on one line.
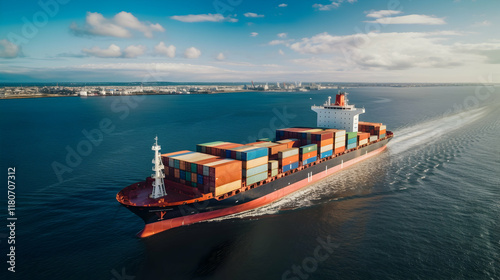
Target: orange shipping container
[[309, 155], [288, 160], [339, 150], [279, 147]]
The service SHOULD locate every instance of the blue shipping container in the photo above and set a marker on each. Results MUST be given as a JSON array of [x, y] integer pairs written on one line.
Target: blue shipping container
[[183, 174], [351, 146], [309, 160], [253, 154], [199, 178], [382, 135], [290, 166], [352, 141], [326, 154]]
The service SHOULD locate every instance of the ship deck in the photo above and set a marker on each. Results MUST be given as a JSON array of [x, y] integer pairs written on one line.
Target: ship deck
[[138, 195], [177, 194]]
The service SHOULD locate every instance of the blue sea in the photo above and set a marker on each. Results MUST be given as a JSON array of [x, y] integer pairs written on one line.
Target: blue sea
[[426, 208]]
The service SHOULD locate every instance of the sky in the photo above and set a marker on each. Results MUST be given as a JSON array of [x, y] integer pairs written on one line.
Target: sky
[[401, 41]]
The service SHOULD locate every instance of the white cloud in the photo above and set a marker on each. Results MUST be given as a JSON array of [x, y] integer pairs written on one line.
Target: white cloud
[[192, 52], [282, 35], [204, 18], [220, 57], [276, 42], [383, 13], [112, 51], [333, 5], [482, 23], [134, 51], [252, 15], [410, 19], [8, 49], [396, 50], [281, 52], [253, 34], [162, 49], [283, 5], [119, 26]]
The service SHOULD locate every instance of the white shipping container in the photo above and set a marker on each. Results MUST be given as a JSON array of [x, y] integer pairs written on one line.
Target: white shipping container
[[326, 148]]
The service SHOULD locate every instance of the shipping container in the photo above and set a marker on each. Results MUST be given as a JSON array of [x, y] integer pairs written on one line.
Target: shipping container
[[231, 186], [308, 148], [253, 171], [291, 143], [309, 155], [351, 146], [288, 160], [274, 172], [382, 135], [256, 178], [308, 161], [363, 142], [363, 135], [326, 154], [265, 139], [339, 150], [290, 166], [351, 135], [373, 138], [272, 164], [254, 162], [288, 152], [273, 150], [326, 148], [352, 141], [336, 132]]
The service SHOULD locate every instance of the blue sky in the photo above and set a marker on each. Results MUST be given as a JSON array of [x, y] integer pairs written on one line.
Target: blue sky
[[241, 40]]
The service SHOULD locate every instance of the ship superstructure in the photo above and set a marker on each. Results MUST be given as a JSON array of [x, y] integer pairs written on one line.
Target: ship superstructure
[[339, 115]]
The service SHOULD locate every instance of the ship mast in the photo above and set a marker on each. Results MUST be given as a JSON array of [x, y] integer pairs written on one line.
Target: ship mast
[[158, 176]]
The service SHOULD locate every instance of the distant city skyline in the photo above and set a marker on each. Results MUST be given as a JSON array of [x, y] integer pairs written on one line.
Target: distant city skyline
[[235, 40]]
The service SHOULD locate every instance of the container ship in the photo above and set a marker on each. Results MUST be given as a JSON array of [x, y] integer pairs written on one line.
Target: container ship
[[222, 178]]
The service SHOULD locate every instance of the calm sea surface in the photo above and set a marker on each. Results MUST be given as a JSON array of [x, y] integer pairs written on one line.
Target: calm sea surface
[[426, 208]]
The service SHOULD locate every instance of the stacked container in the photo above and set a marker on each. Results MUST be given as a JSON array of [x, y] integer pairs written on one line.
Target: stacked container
[[286, 133], [351, 140], [273, 148], [206, 172], [339, 140], [272, 167], [324, 142], [290, 143], [254, 162], [377, 129], [288, 159], [363, 138], [308, 154], [217, 148]]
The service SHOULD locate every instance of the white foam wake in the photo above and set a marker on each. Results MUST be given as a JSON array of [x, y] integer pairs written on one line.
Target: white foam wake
[[429, 131]]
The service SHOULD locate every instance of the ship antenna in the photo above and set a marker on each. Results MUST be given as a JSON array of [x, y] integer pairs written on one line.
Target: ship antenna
[[159, 175]]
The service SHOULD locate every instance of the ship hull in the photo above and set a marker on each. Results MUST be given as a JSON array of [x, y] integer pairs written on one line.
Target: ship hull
[[159, 219]]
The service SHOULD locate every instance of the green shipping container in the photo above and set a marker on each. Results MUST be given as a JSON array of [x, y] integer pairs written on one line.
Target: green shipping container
[[308, 148], [351, 135]]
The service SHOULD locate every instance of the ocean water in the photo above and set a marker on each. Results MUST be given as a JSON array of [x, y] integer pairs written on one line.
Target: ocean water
[[426, 208]]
